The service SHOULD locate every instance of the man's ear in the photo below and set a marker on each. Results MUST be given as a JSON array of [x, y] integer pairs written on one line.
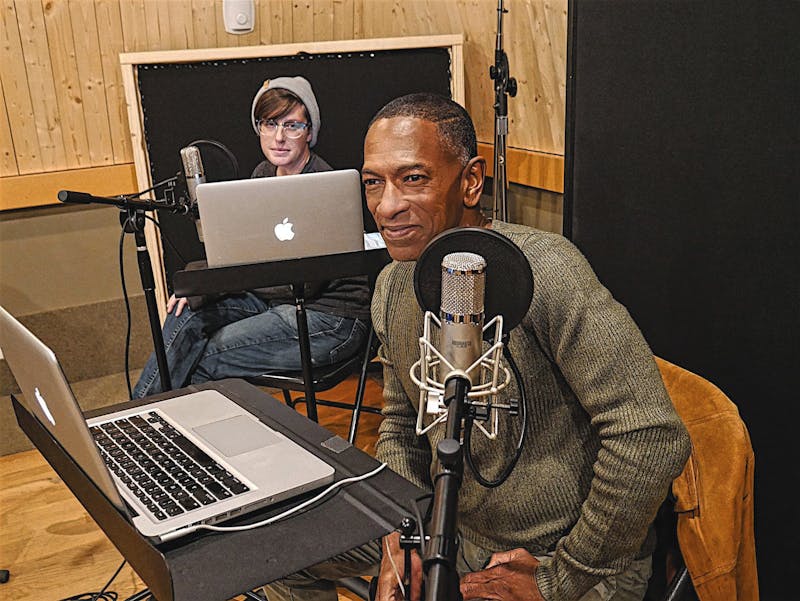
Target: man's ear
[[473, 176]]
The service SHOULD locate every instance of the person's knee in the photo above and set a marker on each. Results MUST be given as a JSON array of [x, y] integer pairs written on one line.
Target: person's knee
[[301, 587]]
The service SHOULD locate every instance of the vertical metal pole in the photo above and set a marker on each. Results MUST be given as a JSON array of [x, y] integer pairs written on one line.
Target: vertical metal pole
[[305, 350], [135, 222], [504, 85]]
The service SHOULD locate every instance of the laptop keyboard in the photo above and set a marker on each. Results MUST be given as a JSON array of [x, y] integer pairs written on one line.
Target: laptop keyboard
[[165, 470]]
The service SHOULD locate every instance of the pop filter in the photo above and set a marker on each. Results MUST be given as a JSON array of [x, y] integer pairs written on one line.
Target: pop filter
[[509, 281]]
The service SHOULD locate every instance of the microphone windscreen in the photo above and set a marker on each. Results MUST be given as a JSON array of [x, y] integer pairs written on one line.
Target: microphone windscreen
[[509, 281]]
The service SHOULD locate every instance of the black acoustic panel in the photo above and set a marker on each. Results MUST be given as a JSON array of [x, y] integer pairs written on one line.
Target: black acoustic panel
[[681, 187], [184, 102]]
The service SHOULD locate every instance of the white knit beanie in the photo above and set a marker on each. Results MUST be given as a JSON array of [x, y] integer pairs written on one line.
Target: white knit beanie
[[300, 87]]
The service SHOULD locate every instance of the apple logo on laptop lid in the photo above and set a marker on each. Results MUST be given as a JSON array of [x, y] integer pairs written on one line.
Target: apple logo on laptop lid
[[283, 231]]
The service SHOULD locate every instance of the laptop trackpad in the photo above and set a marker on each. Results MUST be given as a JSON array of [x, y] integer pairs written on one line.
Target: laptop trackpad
[[236, 435]]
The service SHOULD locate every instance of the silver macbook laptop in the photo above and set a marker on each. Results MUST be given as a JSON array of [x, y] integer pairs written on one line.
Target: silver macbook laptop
[[275, 218], [196, 458]]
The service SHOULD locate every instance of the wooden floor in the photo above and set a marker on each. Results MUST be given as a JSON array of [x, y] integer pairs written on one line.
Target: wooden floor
[[54, 550]]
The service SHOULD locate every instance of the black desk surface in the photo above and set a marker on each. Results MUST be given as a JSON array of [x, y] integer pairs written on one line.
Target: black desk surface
[[218, 566]]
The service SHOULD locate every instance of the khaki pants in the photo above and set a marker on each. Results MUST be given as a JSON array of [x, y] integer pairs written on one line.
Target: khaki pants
[[316, 583]]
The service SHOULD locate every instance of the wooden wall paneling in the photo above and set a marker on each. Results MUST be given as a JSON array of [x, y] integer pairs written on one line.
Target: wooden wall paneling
[[323, 20], [67, 83], [436, 18], [39, 73], [268, 22], [343, 19], [303, 21], [537, 45], [358, 19], [112, 43], [389, 18], [479, 20], [156, 15], [281, 21], [90, 75], [48, 62], [203, 23], [8, 160], [534, 39], [17, 98], [135, 25], [248, 39], [180, 25]]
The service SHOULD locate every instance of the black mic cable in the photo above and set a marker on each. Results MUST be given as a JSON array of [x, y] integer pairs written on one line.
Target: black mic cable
[[522, 436], [104, 594]]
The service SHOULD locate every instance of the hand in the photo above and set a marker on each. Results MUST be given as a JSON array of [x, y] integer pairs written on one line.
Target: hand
[[388, 588], [176, 303], [509, 576]]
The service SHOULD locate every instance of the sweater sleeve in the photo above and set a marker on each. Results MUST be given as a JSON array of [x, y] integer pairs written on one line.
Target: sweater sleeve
[[398, 444], [603, 357]]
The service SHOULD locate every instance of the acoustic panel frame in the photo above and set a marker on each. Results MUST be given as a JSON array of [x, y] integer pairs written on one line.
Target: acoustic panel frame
[[134, 64]]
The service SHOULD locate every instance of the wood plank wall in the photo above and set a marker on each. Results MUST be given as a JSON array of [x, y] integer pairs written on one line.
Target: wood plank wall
[[63, 106]]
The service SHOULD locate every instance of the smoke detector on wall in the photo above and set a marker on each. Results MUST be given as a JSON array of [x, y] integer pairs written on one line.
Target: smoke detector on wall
[[239, 16]]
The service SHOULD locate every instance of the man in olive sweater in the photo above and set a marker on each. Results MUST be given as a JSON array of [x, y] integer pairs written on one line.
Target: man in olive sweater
[[573, 520]]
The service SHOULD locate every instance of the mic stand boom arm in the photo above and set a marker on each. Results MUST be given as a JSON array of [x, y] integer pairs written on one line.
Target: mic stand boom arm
[[439, 562], [132, 220]]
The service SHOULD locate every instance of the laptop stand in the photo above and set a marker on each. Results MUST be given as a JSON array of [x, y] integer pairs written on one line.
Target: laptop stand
[[218, 566], [296, 272]]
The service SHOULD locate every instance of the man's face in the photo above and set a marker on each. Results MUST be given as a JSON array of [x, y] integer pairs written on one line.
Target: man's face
[[414, 186], [288, 154]]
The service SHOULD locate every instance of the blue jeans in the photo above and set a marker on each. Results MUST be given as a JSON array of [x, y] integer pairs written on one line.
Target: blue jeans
[[242, 336]]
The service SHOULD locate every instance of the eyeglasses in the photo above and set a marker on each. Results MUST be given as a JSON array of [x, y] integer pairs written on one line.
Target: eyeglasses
[[291, 129]]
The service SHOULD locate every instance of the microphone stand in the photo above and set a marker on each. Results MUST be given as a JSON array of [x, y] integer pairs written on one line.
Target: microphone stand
[[439, 562], [132, 220], [504, 86]]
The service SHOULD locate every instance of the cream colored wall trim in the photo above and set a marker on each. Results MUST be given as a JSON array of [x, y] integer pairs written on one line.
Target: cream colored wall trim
[[528, 168], [37, 189], [243, 52]]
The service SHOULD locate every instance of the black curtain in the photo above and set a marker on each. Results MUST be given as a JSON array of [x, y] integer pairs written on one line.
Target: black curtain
[[681, 187]]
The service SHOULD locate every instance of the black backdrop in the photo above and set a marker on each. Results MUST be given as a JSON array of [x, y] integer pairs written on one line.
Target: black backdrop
[[681, 187], [211, 100]]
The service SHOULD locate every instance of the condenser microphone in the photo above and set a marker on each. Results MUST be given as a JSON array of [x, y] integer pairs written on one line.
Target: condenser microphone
[[461, 312], [468, 298], [193, 170], [195, 175]]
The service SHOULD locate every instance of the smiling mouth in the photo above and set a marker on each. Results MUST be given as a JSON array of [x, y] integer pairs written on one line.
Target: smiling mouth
[[396, 232]]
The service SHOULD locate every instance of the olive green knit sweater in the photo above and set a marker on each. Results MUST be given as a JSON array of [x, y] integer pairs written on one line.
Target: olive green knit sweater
[[603, 440]]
